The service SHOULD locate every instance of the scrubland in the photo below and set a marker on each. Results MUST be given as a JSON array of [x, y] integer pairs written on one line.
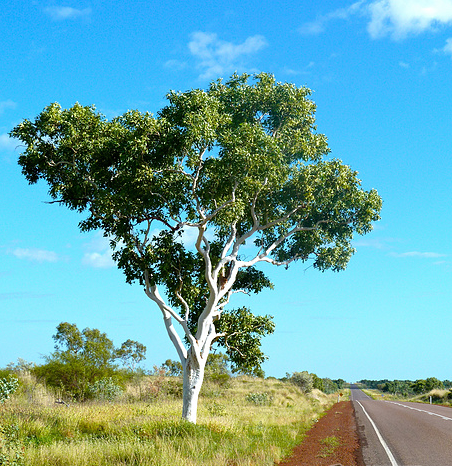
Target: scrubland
[[244, 421]]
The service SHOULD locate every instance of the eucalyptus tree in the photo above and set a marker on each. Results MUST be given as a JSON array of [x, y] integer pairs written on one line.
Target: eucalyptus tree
[[238, 164]]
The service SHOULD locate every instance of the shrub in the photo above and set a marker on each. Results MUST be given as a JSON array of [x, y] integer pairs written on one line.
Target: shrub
[[303, 380], [259, 399], [105, 390], [7, 387], [11, 449]]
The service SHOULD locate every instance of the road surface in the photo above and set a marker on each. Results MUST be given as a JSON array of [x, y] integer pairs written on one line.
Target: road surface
[[401, 433]]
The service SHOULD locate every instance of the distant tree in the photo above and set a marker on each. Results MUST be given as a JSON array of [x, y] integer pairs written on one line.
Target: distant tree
[[419, 386], [131, 353], [83, 357], [172, 368], [340, 383], [237, 165], [433, 383], [317, 382], [303, 380]]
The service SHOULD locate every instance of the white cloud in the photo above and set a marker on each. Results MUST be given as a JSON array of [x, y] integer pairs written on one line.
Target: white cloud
[[7, 104], [175, 65], [61, 13], [98, 253], [427, 255], [98, 260], [319, 25], [35, 255], [395, 18], [7, 143], [448, 47], [218, 57], [400, 18]]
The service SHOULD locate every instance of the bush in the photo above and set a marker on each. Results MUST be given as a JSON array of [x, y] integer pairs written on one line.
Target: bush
[[302, 380], [105, 390], [11, 449], [260, 399], [7, 387]]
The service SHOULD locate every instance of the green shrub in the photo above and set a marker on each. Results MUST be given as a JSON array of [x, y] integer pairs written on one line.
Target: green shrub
[[105, 390], [302, 380], [7, 387], [11, 449], [260, 399], [217, 409]]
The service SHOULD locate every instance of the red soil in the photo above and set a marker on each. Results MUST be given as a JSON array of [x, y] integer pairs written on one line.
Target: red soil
[[339, 425]]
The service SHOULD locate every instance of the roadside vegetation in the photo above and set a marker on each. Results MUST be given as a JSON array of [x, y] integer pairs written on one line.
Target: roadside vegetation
[[243, 420], [421, 390]]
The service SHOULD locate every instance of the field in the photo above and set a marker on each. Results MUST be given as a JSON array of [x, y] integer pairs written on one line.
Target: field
[[244, 421]]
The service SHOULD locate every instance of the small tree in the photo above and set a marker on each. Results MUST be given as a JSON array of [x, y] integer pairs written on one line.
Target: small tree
[[131, 353], [303, 380], [83, 357], [238, 164]]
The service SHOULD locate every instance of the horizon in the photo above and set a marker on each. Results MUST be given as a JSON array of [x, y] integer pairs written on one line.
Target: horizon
[[380, 74]]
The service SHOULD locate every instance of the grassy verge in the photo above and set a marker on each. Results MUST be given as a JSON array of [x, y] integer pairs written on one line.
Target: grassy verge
[[248, 422]]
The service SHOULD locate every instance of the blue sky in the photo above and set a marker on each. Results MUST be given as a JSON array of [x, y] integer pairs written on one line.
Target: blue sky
[[381, 75]]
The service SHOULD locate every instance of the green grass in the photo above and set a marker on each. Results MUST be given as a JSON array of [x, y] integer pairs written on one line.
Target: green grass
[[237, 425], [329, 446]]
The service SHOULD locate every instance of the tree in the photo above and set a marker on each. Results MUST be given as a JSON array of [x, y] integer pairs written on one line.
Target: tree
[[83, 357], [237, 164], [131, 353], [303, 380]]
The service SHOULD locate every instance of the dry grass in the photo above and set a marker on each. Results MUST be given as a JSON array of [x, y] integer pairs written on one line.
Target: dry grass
[[248, 422]]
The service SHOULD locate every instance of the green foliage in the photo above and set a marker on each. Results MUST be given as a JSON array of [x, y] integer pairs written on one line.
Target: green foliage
[[243, 332], [82, 358], [303, 380], [238, 164], [11, 448], [172, 368], [105, 390], [131, 353], [7, 387], [259, 399], [405, 387]]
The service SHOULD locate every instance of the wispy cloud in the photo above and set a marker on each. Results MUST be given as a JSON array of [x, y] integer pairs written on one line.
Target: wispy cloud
[[35, 255], [98, 253], [400, 18], [7, 104], [175, 65], [7, 143], [320, 23], [218, 57], [62, 13], [448, 47], [427, 255], [395, 18]]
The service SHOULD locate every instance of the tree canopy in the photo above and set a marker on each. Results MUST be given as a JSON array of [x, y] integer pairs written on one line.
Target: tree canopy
[[239, 164]]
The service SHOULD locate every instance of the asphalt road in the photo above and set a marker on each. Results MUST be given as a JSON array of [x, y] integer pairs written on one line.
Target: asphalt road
[[403, 434]]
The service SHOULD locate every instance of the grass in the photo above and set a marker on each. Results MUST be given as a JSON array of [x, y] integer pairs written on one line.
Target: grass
[[248, 422], [329, 446]]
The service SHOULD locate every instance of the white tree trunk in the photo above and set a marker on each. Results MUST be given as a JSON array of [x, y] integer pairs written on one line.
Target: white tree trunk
[[193, 378]]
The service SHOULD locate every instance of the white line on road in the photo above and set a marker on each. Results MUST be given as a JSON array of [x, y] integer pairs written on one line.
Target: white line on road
[[383, 443], [422, 411]]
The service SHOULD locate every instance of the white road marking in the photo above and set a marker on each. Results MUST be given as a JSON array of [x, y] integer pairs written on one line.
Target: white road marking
[[383, 443], [421, 410]]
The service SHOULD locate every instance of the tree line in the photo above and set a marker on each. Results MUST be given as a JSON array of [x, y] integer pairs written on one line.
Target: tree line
[[407, 387], [86, 365]]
